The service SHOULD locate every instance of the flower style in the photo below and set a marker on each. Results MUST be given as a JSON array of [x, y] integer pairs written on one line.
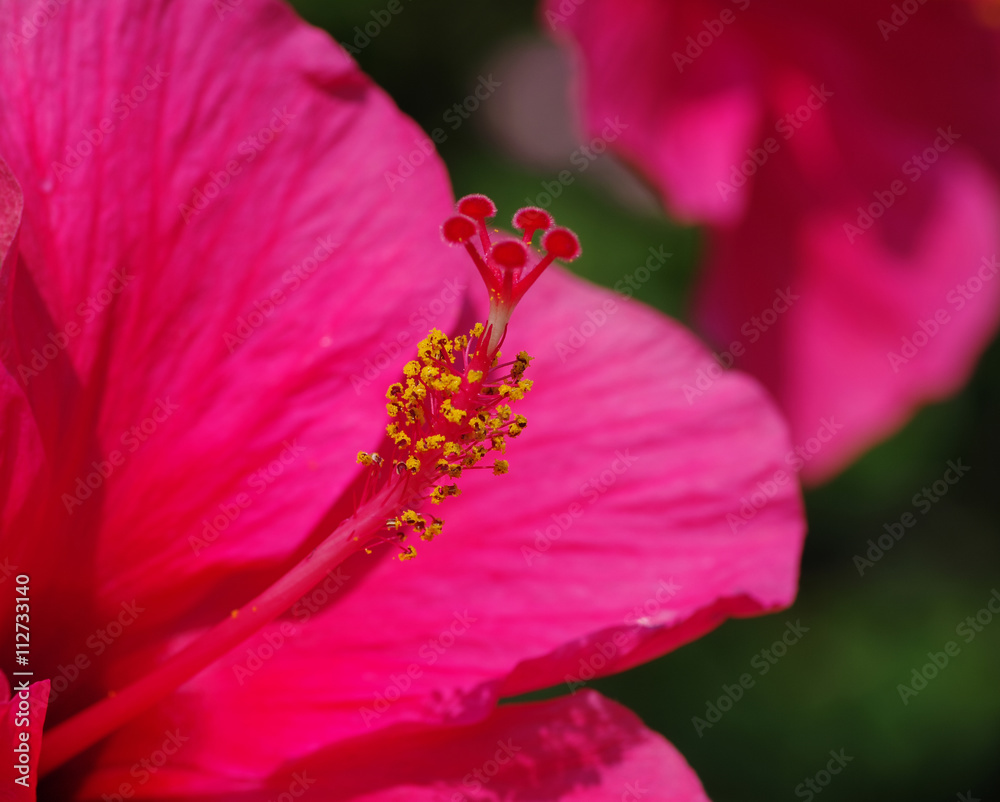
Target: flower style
[[843, 157], [208, 286]]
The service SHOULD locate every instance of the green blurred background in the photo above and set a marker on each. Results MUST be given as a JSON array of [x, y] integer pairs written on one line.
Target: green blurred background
[[837, 688]]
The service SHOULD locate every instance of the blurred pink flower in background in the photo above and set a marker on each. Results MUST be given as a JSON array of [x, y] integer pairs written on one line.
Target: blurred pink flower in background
[[844, 158], [208, 285]]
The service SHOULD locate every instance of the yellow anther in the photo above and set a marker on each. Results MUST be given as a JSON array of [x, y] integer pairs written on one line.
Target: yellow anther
[[514, 393], [432, 443], [414, 390], [435, 346], [474, 455], [520, 365], [451, 413], [433, 529], [441, 492], [422, 406], [400, 437], [450, 468], [449, 383]]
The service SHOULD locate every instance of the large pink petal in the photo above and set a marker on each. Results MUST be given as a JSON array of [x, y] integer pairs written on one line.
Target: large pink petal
[[639, 515], [581, 747], [312, 253], [684, 127], [21, 457], [895, 85], [882, 318]]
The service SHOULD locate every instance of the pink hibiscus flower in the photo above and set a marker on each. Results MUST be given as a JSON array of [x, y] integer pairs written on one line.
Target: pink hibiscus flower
[[844, 158], [211, 277]]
